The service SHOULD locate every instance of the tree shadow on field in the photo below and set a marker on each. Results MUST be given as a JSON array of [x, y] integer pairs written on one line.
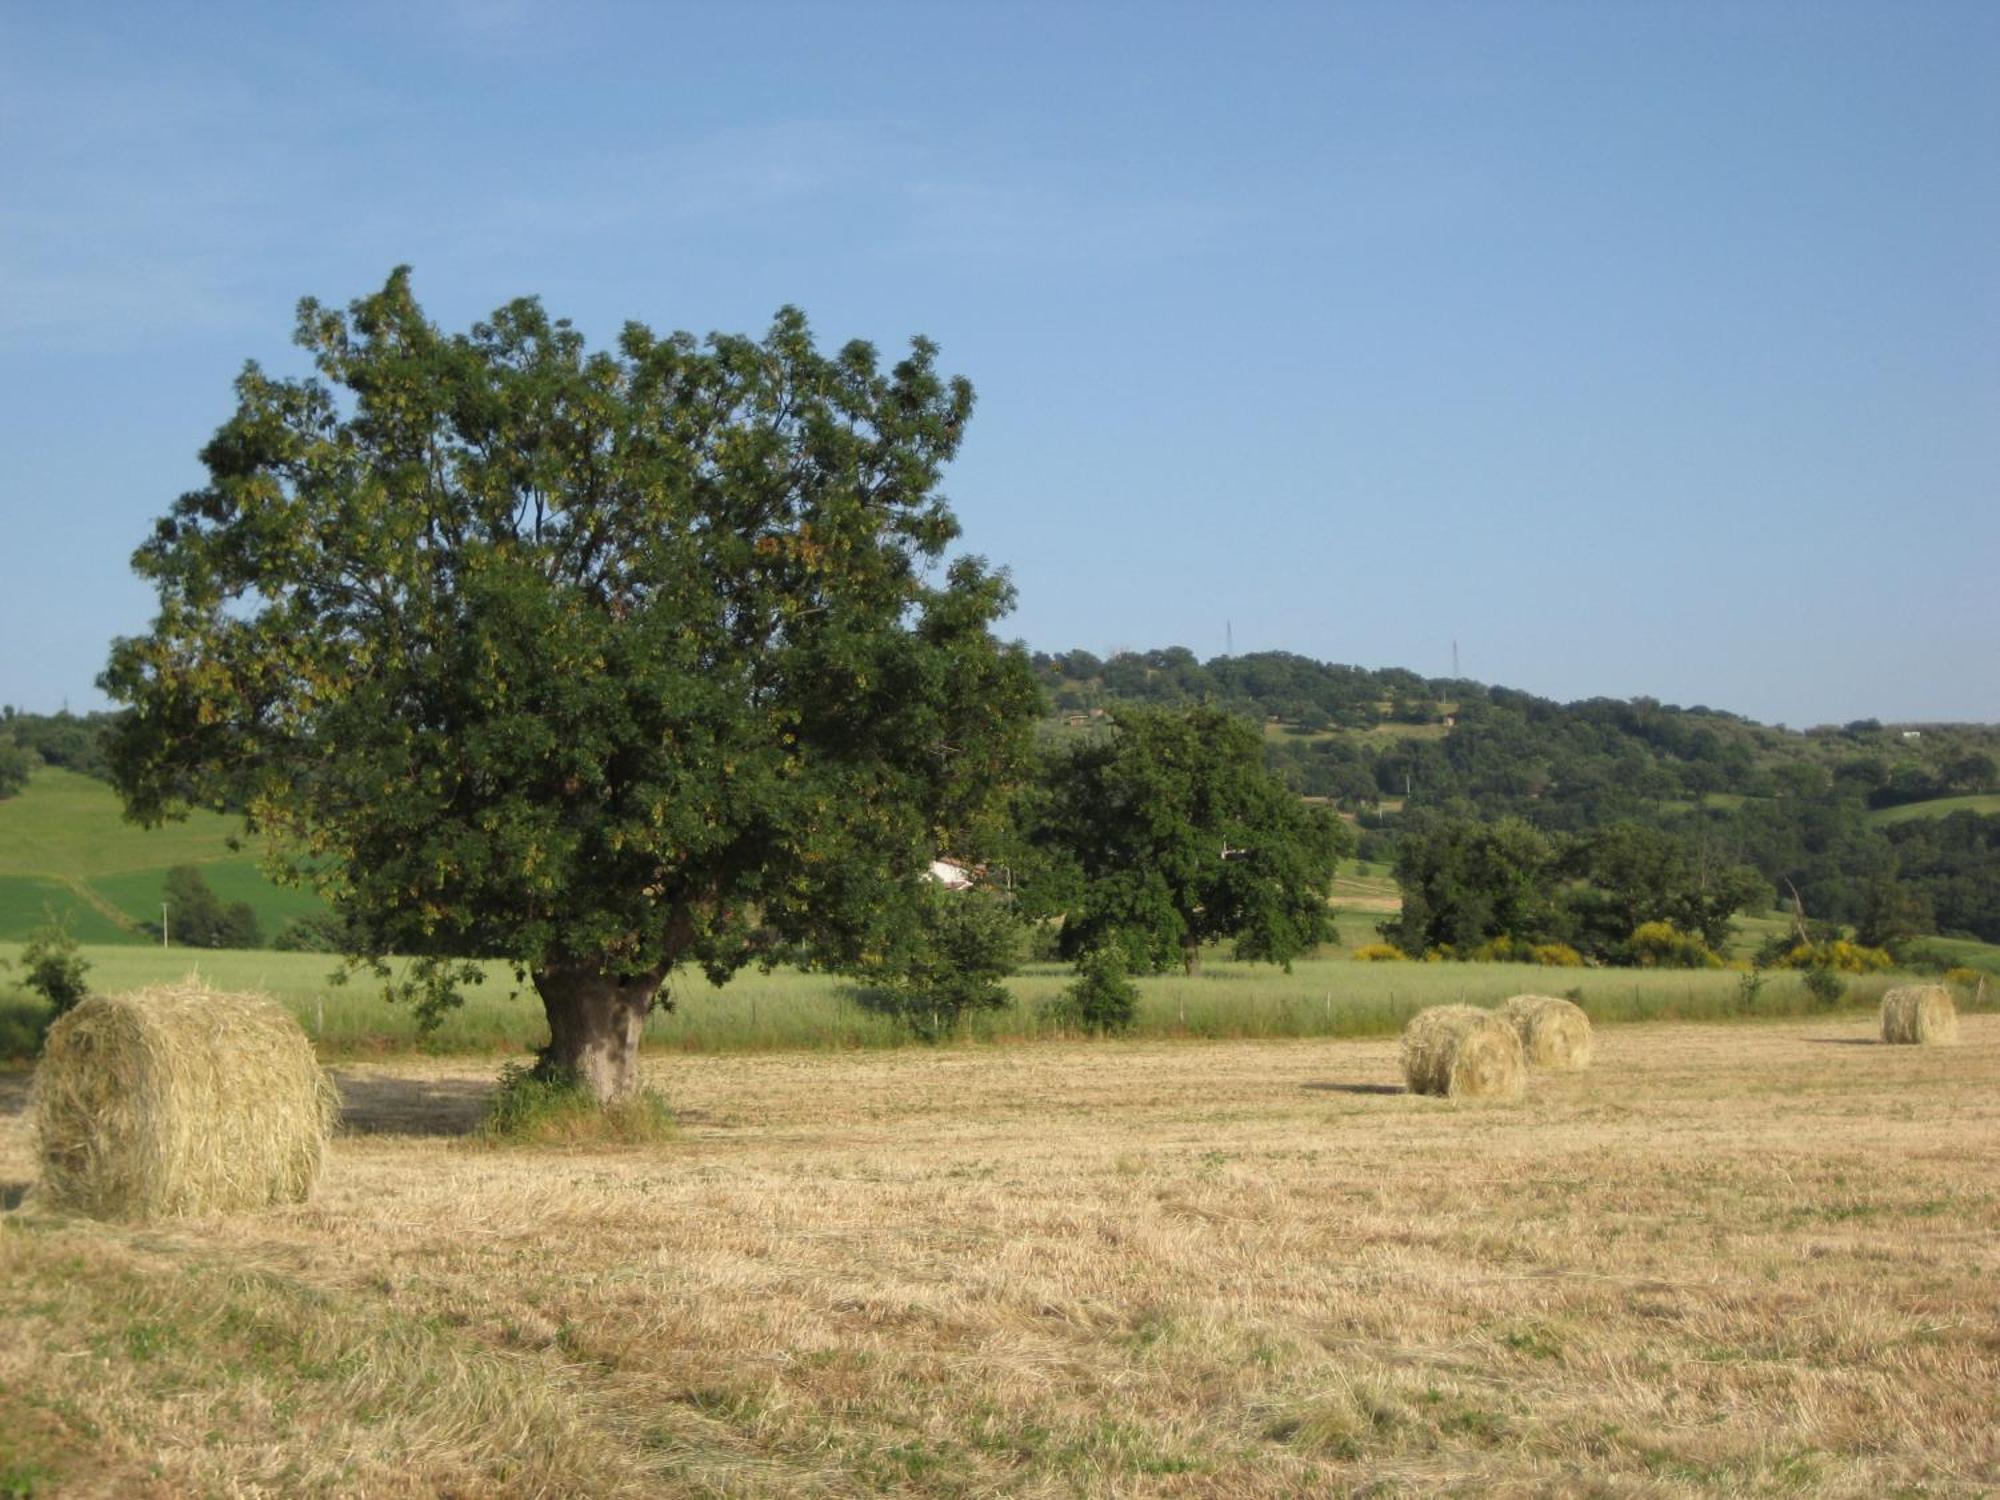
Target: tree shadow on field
[[1355, 1088], [1846, 1041], [371, 1104]]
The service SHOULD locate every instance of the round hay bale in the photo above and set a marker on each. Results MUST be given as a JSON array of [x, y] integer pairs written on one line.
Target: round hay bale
[[1921, 1014], [1463, 1052], [1555, 1033], [179, 1100]]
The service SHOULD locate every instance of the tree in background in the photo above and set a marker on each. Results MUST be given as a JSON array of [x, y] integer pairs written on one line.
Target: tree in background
[[1634, 875], [589, 661], [1465, 883], [951, 962], [15, 764], [1101, 998], [1169, 833], [74, 742], [197, 918]]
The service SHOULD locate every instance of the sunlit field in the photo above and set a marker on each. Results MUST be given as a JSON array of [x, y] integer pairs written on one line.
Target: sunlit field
[[1728, 1260], [1328, 996]]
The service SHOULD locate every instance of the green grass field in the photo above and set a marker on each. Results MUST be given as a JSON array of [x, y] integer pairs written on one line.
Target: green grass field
[[1937, 807], [785, 1009], [65, 845], [26, 900]]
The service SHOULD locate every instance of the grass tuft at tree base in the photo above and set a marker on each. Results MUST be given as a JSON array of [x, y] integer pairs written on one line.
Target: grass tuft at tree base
[[531, 1109]]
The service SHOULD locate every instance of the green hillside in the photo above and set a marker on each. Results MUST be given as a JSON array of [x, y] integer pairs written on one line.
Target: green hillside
[[1936, 807], [65, 844]]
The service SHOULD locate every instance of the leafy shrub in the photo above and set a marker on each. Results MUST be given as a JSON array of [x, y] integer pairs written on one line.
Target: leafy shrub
[[1379, 953], [15, 765], [1825, 986], [1660, 945], [533, 1107], [53, 963], [1512, 950], [1749, 986], [1837, 954], [1044, 942], [1101, 998], [24, 1021], [1962, 975], [319, 933], [965, 945]]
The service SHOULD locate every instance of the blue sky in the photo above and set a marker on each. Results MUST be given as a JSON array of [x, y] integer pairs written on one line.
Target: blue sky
[[1640, 349]]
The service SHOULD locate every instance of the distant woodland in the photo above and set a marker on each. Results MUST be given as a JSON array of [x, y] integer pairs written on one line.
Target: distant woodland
[[1892, 830], [1895, 828]]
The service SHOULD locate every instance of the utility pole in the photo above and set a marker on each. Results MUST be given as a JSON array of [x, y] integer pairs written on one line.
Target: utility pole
[[163, 924]]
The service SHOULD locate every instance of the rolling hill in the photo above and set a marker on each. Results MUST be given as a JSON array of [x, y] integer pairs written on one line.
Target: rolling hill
[[65, 846]]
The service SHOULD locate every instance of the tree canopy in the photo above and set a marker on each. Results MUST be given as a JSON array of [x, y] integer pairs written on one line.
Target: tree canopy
[[595, 661], [1169, 833], [1466, 884]]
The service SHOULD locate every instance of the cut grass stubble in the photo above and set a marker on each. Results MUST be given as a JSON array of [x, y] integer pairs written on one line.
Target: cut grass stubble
[[1725, 1260]]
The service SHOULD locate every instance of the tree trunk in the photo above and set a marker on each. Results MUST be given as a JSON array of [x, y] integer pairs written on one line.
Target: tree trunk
[[595, 1020], [1191, 958]]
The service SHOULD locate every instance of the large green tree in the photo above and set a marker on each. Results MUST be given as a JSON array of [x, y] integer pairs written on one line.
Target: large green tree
[[1634, 874], [594, 661], [1169, 833], [1464, 882]]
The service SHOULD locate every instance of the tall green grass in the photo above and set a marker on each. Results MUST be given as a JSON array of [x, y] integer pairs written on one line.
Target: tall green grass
[[786, 1009]]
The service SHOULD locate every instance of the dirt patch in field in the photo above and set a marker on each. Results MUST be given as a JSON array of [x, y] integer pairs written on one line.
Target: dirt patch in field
[[383, 1102]]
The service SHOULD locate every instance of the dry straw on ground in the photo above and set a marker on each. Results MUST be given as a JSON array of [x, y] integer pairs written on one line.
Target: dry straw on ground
[[1462, 1051], [1726, 1260], [179, 1100], [1554, 1033], [1919, 1013]]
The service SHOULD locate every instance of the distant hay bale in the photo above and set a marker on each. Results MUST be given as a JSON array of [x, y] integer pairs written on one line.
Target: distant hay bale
[[1462, 1051], [1554, 1033], [1921, 1014], [179, 1100]]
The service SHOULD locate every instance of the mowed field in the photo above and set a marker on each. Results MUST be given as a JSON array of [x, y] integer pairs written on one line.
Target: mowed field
[[1750, 1258]]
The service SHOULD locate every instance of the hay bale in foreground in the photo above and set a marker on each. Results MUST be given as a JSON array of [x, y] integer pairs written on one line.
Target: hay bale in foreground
[[1920, 1013], [179, 1100], [1463, 1052], [1555, 1033]]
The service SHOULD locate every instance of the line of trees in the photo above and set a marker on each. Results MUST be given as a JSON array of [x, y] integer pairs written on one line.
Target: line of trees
[[74, 742], [1625, 894], [1793, 805]]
